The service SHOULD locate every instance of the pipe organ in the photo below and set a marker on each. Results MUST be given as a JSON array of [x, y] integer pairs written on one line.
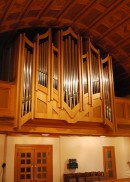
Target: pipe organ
[[62, 76]]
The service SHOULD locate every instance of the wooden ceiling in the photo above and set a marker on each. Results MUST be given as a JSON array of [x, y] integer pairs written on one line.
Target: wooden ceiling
[[106, 22]]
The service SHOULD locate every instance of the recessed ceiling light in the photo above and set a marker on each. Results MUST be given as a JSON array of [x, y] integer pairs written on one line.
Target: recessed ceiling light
[[45, 134]]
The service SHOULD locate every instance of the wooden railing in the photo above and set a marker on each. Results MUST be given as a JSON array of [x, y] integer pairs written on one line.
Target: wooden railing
[[117, 180], [7, 99], [122, 111]]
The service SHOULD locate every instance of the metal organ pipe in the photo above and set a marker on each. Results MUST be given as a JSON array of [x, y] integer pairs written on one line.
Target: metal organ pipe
[[107, 93], [95, 73], [27, 82], [43, 63], [70, 72], [55, 68]]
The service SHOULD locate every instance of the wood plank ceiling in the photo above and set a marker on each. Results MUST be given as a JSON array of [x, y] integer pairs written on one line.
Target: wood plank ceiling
[[106, 22]]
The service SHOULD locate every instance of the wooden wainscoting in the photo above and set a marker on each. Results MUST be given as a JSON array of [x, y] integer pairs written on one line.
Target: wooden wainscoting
[[117, 180]]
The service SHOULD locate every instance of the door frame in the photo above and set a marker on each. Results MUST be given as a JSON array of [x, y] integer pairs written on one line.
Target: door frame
[[105, 159]]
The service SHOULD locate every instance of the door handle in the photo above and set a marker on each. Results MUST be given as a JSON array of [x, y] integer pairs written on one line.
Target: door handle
[[35, 172], [31, 173]]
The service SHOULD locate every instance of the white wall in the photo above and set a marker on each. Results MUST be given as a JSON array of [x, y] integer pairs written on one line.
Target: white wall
[[122, 150], [87, 151], [2, 153], [11, 141], [89, 154]]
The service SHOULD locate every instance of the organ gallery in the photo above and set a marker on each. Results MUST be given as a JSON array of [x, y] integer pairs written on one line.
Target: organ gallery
[[57, 81]]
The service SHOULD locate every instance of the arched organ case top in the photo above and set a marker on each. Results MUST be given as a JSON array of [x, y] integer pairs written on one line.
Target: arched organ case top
[[43, 62], [71, 75], [47, 96]]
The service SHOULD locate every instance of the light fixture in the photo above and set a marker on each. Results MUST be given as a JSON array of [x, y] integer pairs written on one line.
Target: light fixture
[[45, 134]]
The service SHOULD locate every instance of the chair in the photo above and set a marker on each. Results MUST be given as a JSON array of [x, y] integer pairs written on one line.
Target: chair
[[72, 180], [81, 179]]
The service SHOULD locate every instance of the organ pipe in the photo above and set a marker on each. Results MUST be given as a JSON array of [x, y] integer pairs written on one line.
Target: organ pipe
[[27, 76], [85, 68], [107, 88], [27, 82], [95, 72], [43, 63], [55, 68], [55, 74], [43, 60], [70, 68]]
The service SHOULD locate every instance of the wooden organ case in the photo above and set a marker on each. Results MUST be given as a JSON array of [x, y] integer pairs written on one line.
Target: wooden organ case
[[58, 76], [26, 68]]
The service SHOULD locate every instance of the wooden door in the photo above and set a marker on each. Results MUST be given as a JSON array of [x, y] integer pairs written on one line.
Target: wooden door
[[33, 163], [109, 162]]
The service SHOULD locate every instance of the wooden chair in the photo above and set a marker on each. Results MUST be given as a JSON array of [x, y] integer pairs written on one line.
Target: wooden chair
[[81, 179]]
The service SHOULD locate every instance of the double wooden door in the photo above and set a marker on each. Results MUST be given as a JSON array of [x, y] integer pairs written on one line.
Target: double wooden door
[[33, 163]]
